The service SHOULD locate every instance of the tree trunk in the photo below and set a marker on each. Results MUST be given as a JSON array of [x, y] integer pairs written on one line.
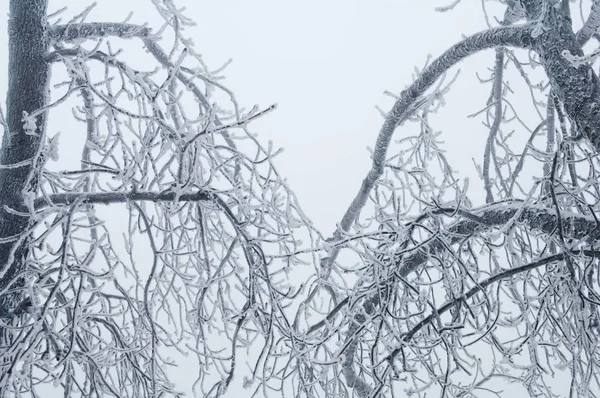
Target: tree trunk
[[577, 86], [27, 92]]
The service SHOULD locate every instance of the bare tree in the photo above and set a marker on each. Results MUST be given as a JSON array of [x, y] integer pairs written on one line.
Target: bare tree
[[167, 149], [458, 290]]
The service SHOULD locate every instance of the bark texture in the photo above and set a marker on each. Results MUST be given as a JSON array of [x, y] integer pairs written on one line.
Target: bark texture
[[577, 86], [27, 93]]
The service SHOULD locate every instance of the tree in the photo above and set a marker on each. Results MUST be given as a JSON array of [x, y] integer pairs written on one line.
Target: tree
[[456, 292], [96, 317]]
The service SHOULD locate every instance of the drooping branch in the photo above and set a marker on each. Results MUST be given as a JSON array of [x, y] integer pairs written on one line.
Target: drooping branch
[[492, 216], [154, 49], [515, 36], [495, 215], [576, 86], [495, 127], [185, 75], [484, 284], [94, 30], [536, 217], [484, 219]]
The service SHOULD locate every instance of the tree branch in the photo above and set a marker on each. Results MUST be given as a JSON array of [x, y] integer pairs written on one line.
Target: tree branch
[[516, 36], [495, 215], [591, 24], [482, 285], [107, 198], [537, 217], [495, 127], [576, 85], [94, 30]]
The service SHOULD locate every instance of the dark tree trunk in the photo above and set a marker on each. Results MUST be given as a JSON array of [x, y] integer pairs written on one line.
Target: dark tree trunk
[[27, 93], [577, 86]]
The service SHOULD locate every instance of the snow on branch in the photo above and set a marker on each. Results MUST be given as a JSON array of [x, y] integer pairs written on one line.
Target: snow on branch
[[106, 198], [536, 217], [591, 25], [501, 269], [414, 258], [479, 288], [202, 200], [94, 30], [516, 36]]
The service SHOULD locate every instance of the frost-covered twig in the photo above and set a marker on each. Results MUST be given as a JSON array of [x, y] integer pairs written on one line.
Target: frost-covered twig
[[106, 198], [497, 120], [87, 31], [591, 25], [212, 212]]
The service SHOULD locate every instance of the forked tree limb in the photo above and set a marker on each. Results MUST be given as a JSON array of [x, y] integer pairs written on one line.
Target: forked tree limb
[[480, 287], [578, 87], [576, 84], [500, 276], [513, 36]]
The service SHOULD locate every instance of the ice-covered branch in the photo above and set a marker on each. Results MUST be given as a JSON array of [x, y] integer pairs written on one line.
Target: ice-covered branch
[[106, 198], [577, 86], [516, 36], [497, 215], [163, 59], [591, 24], [78, 31], [485, 219], [502, 275], [495, 127], [447, 252]]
